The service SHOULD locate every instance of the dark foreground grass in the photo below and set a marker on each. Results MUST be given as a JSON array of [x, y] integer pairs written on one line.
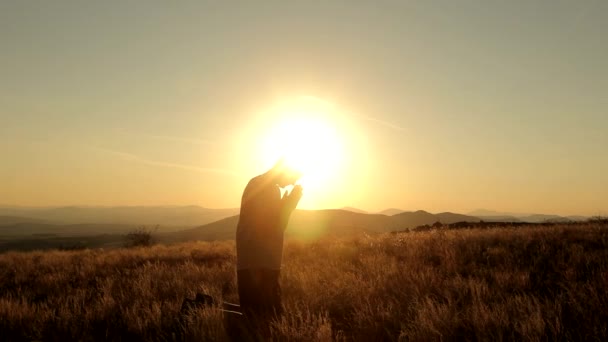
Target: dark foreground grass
[[547, 283]]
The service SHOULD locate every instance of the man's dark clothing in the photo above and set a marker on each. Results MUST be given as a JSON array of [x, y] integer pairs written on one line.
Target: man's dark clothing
[[259, 233], [259, 244], [259, 291]]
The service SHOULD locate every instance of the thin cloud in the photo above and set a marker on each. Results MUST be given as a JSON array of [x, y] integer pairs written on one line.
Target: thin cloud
[[135, 158], [172, 138], [182, 140], [383, 123]]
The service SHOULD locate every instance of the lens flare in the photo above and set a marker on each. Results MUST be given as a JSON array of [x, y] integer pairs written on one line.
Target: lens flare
[[316, 138], [309, 141]]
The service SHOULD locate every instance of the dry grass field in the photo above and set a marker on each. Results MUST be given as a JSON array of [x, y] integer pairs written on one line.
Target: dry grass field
[[531, 283]]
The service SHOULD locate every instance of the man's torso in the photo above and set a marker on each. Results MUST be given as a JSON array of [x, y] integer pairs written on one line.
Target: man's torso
[[259, 236]]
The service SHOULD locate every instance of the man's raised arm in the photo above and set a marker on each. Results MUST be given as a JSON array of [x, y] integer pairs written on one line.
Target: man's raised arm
[[289, 202]]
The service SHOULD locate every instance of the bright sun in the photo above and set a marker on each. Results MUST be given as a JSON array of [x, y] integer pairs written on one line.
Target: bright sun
[[307, 135], [321, 140]]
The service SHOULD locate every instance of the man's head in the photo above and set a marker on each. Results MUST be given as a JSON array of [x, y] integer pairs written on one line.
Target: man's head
[[284, 175]]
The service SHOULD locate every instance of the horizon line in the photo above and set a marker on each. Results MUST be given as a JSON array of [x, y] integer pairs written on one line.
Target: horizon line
[[347, 208]]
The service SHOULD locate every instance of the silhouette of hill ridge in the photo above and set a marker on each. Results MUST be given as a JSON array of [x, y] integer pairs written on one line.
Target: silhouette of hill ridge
[[325, 222], [23, 229], [391, 211], [497, 216], [354, 210], [182, 216], [8, 220]]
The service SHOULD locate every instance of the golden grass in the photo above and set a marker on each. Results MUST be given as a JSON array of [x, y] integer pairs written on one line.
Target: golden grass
[[536, 284]]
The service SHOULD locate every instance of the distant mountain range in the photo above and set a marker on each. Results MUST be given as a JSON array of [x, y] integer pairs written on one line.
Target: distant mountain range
[[193, 216], [315, 223], [355, 210], [391, 211], [7, 220], [497, 216], [19, 230], [180, 223], [170, 216]]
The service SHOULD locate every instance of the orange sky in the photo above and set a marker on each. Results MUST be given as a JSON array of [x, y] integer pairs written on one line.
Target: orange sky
[[443, 106]]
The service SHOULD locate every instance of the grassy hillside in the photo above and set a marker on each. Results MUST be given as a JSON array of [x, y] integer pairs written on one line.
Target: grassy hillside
[[535, 283]]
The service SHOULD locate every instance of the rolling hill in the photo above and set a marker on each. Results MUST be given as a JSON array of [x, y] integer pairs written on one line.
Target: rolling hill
[[309, 224], [497, 216], [45, 229], [6, 220], [174, 216], [391, 211]]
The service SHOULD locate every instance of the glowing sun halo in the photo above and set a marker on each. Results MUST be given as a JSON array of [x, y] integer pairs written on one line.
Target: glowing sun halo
[[309, 141]]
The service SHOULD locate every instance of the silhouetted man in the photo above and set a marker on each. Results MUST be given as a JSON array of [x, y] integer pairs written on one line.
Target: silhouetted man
[[259, 239]]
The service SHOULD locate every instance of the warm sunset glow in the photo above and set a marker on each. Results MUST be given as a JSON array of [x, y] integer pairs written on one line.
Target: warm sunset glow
[[305, 135], [393, 104], [315, 137]]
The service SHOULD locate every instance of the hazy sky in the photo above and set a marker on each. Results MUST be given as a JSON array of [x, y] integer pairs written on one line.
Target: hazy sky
[[453, 105]]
